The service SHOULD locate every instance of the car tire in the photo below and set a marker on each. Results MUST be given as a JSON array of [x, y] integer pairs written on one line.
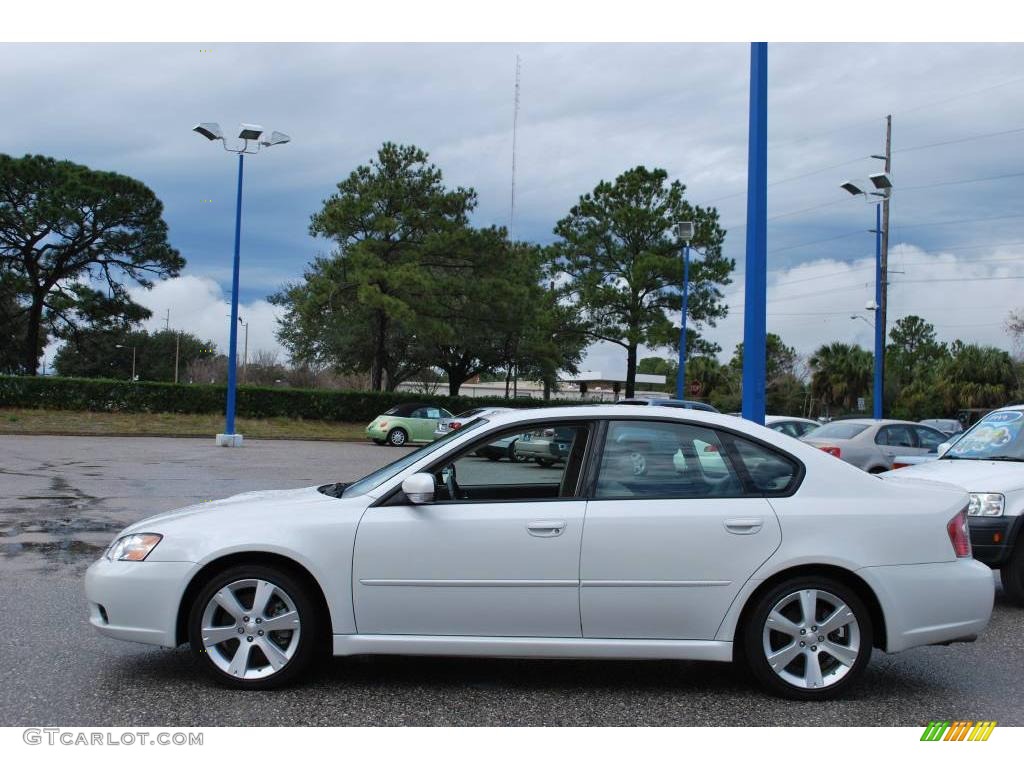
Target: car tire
[[282, 594], [877, 470], [1012, 576], [397, 437], [378, 441], [777, 623], [546, 462], [514, 457]]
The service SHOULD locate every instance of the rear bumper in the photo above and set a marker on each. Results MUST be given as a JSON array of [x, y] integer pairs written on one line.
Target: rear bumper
[[932, 603], [137, 601]]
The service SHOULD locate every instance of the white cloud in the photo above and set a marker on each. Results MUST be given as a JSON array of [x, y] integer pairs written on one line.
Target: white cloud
[[198, 306]]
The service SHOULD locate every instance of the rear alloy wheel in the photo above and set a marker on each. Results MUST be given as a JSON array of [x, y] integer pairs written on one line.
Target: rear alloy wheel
[[1012, 575], [253, 627], [809, 638], [397, 437]]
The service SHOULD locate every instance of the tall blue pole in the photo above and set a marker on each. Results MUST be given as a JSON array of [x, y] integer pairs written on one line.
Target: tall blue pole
[[229, 427], [879, 388], [756, 284], [681, 374]]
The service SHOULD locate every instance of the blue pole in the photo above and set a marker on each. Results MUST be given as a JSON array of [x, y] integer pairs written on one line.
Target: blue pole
[[681, 375], [879, 388], [756, 284], [233, 345]]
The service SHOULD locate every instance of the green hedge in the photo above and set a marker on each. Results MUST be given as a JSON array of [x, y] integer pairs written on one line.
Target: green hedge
[[118, 396]]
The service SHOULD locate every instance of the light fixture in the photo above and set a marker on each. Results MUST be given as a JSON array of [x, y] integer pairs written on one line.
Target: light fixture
[[881, 181], [871, 306], [276, 137], [209, 130], [685, 230], [852, 188], [250, 132]]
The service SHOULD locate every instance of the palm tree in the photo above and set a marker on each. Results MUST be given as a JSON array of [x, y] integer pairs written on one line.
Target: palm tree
[[840, 373], [976, 377]]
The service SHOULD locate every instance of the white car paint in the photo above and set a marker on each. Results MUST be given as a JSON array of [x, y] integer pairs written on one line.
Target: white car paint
[[558, 577]]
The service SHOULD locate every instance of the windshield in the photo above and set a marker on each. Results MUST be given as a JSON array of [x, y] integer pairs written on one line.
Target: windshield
[[385, 473], [839, 430], [998, 436]]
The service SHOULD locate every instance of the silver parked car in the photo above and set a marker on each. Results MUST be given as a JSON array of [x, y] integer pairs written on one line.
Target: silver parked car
[[444, 426], [949, 426], [794, 426], [872, 444]]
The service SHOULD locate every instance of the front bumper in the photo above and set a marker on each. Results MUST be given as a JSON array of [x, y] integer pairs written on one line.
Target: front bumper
[[992, 538], [137, 601], [932, 603]]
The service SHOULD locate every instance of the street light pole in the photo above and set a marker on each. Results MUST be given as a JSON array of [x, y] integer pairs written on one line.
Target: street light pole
[[247, 133], [229, 425], [879, 386], [685, 231]]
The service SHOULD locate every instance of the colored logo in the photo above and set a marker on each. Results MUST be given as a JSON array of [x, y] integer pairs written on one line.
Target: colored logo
[[958, 730]]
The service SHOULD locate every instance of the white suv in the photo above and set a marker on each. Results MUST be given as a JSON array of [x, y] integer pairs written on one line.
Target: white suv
[[988, 462]]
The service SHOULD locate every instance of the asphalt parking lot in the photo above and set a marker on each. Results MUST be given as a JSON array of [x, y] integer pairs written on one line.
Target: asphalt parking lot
[[63, 498]]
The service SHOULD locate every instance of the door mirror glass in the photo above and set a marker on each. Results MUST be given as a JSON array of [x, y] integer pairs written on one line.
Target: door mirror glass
[[419, 488]]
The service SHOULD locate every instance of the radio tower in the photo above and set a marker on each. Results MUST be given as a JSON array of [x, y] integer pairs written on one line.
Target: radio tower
[[515, 126]]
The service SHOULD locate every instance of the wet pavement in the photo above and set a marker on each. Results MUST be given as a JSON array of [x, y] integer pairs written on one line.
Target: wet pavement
[[63, 499]]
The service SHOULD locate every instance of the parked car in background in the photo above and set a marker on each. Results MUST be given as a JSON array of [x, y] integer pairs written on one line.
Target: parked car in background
[[668, 402], [987, 461], [407, 423], [949, 426], [546, 446], [440, 553], [794, 426], [447, 424], [872, 444]]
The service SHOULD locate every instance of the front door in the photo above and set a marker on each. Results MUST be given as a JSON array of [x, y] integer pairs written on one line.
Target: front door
[[675, 529], [496, 554]]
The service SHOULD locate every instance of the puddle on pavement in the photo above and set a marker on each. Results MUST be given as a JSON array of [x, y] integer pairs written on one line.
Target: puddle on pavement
[[58, 541]]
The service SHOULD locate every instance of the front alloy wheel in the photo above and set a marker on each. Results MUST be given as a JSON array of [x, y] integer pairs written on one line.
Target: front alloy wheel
[[809, 639], [252, 627]]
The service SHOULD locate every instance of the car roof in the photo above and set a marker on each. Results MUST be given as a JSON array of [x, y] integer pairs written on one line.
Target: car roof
[[772, 419], [613, 411]]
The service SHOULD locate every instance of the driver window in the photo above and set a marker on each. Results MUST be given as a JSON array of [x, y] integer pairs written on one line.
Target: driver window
[[541, 461]]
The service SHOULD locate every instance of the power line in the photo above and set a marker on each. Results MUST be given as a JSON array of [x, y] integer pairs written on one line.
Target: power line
[[1014, 175], [961, 140]]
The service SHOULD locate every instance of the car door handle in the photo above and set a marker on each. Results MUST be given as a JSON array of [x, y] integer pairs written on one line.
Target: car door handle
[[744, 525], [546, 528]]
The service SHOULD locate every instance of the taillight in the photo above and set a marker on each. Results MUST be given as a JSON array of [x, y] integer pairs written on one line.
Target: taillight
[[832, 450], [710, 449], [899, 465], [455, 425], [382, 424], [958, 535]]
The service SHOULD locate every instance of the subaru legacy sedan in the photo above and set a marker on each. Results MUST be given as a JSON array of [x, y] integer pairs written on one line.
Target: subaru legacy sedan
[[782, 559]]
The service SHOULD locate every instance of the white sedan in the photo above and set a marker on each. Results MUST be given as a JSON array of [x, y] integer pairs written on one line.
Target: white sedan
[[783, 559]]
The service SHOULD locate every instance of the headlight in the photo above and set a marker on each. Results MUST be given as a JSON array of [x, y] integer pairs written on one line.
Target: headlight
[[135, 546], [986, 505]]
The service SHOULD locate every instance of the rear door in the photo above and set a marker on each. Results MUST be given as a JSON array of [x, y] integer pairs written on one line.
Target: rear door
[[676, 524]]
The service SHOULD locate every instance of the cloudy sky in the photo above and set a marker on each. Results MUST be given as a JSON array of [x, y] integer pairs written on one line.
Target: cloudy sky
[[587, 113]]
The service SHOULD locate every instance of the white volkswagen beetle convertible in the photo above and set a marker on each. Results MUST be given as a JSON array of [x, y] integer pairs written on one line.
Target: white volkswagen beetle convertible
[[755, 548]]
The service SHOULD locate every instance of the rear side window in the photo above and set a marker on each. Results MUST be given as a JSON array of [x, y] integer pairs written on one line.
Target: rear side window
[[770, 472], [658, 459], [897, 435]]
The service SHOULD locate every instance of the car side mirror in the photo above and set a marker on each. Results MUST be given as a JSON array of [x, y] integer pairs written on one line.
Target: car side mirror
[[419, 488], [943, 447]]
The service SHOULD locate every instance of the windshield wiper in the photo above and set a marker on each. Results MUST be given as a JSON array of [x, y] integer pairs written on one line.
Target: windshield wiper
[[1002, 458]]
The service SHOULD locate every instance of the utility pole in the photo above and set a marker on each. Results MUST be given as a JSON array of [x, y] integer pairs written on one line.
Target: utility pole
[[515, 128], [884, 258], [177, 349]]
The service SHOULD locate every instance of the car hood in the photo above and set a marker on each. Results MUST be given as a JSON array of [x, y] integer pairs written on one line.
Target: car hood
[[975, 476], [240, 504]]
